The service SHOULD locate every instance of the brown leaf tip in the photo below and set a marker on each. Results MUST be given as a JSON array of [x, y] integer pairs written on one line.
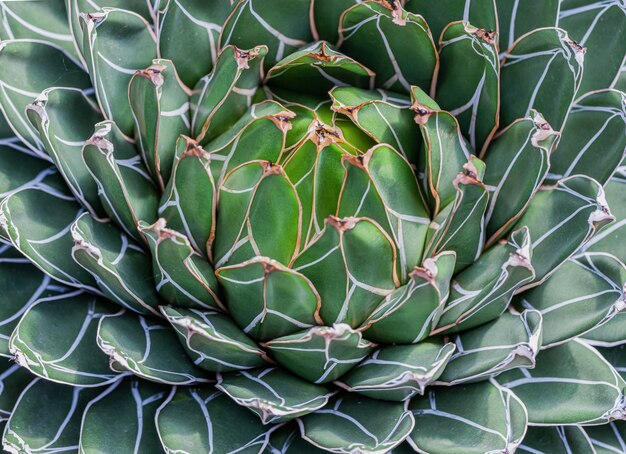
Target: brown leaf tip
[[341, 225]]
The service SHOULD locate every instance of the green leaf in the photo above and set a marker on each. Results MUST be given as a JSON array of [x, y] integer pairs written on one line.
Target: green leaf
[[119, 266], [47, 244], [411, 312], [160, 106], [542, 71], [351, 263], [221, 97], [287, 440], [395, 44], [594, 137], [518, 18], [398, 372], [472, 419], [201, 420], [47, 418], [601, 28], [354, 423], [13, 379], [56, 340], [267, 299], [63, 132], [147, 348], [468, 81], [122, 419], [319, 67], [214, 341], [322, 353], [116, 43], [381, 185], [27, 67], [571, 384], [273, 394], [587, 291], [557, 440], [124, 186], [443, 153], [327, 18], [509, 342], [182, 276], [615, 356], [483, 291], [191, 27], [608, 438], [516, 163]]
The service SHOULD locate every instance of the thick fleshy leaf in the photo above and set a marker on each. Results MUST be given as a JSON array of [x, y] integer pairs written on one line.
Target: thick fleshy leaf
[[571, 384], [557, 440], [160, 106], [594, 138], [382, 186], [468, 81], [250, 218], [182, 276], [221, 97], [515, 19], [119, 266], [354, 423], [483, 291], [587, 291], [395, 44], [600, 27], [509, 342], [124, 186], [472, 419], [516, 163], [27, 67], [116, 42], [267, 299], [273, 394], [542, 71], [320, 354], [412, 311], [616, 356], [47, 244], [13, 380], [201, 420], [287, 439], [560, 219], [214, 341], [56, 340], [147, 348], [63, 132], [202, 22], [319, 67], [398, 372], [252, 22], [121, 419], [443, 153], [460, 226], [480, 13], [383, 116], [608, 438], [46, 418], [351, 263]]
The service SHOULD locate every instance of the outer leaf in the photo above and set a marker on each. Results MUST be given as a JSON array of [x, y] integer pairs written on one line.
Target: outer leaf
[[147, 348], [449, 420], [117, 42], [399, 372], [273, 394], [542, 71], [200, 420], [608, 438], [395, 44], [327, 18], [267, 299], [355, 423], [557, 440], [468, 80], [523, 16], [509, 342], [55, 339], [287, 440], [320, 354], [122, 419], [571, 384]]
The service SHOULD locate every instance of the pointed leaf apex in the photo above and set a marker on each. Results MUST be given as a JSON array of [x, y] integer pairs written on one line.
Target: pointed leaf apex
[[98, 138], [341, 225], [323, 135], [243, 57], [488, 36], [193, 148], [602, 215], [154, 74], [544, 131]]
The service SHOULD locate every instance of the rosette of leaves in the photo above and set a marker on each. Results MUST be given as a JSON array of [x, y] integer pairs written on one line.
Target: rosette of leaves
[[296, 226]]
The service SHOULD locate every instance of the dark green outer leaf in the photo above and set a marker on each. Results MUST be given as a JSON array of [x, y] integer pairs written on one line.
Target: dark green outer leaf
[[516, 18], [558, 440]]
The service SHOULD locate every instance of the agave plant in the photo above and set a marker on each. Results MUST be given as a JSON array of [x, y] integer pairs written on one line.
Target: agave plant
[[298, 226]]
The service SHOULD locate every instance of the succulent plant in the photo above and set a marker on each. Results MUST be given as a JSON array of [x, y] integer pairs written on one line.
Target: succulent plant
[[298, 226]]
